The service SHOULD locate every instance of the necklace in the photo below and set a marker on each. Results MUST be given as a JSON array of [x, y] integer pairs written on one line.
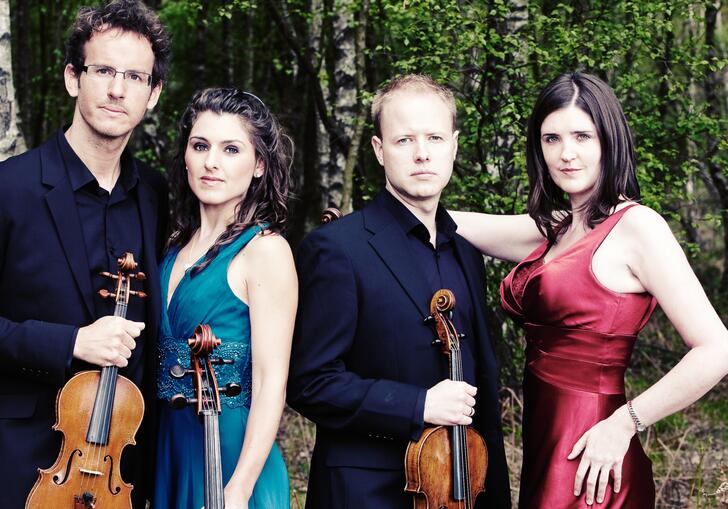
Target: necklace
[[191, 258], [193, 249]]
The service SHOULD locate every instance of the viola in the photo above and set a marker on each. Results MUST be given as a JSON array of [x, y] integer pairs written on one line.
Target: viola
[[330, 214], [207, 402], [446, 467], [98, 412]]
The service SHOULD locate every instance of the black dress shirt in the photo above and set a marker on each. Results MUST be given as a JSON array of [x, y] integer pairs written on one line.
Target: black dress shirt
[[110, 224], [439, 264]]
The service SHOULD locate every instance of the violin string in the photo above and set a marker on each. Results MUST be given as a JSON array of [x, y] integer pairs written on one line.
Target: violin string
[[461, 431]]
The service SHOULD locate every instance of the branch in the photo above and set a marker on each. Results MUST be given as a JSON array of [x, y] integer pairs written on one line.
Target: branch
[[304, 57]]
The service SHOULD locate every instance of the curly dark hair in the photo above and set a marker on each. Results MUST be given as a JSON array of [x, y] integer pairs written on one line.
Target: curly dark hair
[[127, 15], [617, 180], [266, 201]]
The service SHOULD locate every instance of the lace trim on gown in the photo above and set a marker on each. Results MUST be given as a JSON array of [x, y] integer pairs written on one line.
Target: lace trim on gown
[[172, 351]]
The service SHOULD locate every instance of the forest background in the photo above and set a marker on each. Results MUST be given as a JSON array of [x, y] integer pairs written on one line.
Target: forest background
[[316, 64]]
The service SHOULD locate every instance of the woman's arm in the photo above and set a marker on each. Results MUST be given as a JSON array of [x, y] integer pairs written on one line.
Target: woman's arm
[[656, 260], [509, 238], [271, 289]]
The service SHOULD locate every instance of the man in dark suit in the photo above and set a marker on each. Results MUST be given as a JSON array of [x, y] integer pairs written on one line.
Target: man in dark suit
[[364, 367], [68, 210]]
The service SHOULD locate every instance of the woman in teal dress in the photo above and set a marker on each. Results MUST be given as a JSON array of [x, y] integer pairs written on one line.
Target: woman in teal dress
[[227, 266]]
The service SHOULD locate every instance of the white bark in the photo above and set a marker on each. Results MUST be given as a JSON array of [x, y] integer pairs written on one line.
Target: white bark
[[11, 139], [323, 140], [345, 102]]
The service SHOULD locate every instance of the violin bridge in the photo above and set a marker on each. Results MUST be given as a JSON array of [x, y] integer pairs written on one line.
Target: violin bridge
[[91, 472]]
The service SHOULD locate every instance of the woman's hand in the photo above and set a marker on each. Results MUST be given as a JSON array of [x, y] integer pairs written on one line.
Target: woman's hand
[[604, 446]]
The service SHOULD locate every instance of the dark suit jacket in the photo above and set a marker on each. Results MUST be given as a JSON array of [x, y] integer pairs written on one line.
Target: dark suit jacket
[[363, 359], [45, 295]]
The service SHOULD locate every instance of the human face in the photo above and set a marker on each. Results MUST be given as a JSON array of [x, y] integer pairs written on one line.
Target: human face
[[111, 109], [572, 152], [418, 146], [220, 160]]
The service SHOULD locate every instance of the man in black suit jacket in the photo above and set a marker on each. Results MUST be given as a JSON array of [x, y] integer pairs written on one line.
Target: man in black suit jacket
[[68, 209], [364, 367]]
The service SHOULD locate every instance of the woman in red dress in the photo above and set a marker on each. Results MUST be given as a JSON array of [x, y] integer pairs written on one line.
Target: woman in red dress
[[593, 265]]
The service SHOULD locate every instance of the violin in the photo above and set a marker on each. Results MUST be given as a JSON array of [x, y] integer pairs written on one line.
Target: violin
[[446, 467], [98, 412], [207, 402]]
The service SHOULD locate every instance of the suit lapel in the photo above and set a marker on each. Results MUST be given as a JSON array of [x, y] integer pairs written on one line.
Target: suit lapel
[[148, 213], [391, 244], [62, 207]]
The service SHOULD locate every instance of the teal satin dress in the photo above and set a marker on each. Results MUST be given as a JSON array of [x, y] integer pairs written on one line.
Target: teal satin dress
[[207, 298]]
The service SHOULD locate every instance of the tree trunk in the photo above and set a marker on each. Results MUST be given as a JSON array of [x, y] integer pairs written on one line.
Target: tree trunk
[[711, 87], [353, 155], [323, 141], [11, 139], [345, 100]]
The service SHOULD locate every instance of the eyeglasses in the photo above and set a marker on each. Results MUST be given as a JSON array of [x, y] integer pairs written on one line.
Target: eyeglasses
[[107, 73]]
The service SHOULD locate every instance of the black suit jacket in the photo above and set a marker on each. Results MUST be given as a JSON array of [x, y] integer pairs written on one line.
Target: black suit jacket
[[45, 295], [363, 358]]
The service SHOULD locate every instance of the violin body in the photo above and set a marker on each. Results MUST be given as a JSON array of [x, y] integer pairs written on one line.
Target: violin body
[[446, 467], [98, 412], [84, 467], [428, 460]]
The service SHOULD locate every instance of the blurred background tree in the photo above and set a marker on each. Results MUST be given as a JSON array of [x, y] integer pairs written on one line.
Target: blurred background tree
[[316, 64]]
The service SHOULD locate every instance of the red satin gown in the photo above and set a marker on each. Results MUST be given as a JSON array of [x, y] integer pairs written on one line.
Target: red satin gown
[[579, 338]]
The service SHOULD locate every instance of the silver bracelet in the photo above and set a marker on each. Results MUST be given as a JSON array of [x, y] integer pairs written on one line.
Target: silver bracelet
[[637, 423]]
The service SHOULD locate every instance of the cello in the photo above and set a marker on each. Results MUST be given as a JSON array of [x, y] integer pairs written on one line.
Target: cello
[[98, 413], [446, 467], [207, 402]]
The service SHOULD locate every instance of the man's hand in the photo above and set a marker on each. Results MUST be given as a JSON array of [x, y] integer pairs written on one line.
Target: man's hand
[[450, 403], [108, 341]]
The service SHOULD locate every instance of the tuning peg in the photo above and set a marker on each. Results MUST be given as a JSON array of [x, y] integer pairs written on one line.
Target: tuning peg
[[231, 389], [138, 293], [139, 276], [179, 401], [106, 293], [178, 371], [220, 360], [436, 342], [109, 275], [429, 320], [461, 335]]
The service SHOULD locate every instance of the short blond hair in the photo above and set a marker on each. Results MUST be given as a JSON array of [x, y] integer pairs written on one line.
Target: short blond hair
[[415, 83]]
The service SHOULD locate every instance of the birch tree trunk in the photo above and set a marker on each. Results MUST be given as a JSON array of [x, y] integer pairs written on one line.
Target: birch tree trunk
[[11, 139], [323, 140], [345, 100]]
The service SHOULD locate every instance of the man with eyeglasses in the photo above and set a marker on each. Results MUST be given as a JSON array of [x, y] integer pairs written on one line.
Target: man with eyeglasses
[[68, 210]]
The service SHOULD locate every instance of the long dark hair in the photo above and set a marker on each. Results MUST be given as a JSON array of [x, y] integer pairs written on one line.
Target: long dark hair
[[617, 180], [266, 201]]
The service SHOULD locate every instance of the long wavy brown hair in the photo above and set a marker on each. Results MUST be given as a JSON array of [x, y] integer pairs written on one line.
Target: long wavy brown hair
[[266, 202]]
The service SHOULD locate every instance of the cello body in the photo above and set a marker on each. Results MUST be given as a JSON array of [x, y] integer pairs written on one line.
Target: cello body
[[426, 461], [90, 468]]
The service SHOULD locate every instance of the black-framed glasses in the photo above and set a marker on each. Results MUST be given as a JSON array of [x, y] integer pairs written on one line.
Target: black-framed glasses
[[107, 73]]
